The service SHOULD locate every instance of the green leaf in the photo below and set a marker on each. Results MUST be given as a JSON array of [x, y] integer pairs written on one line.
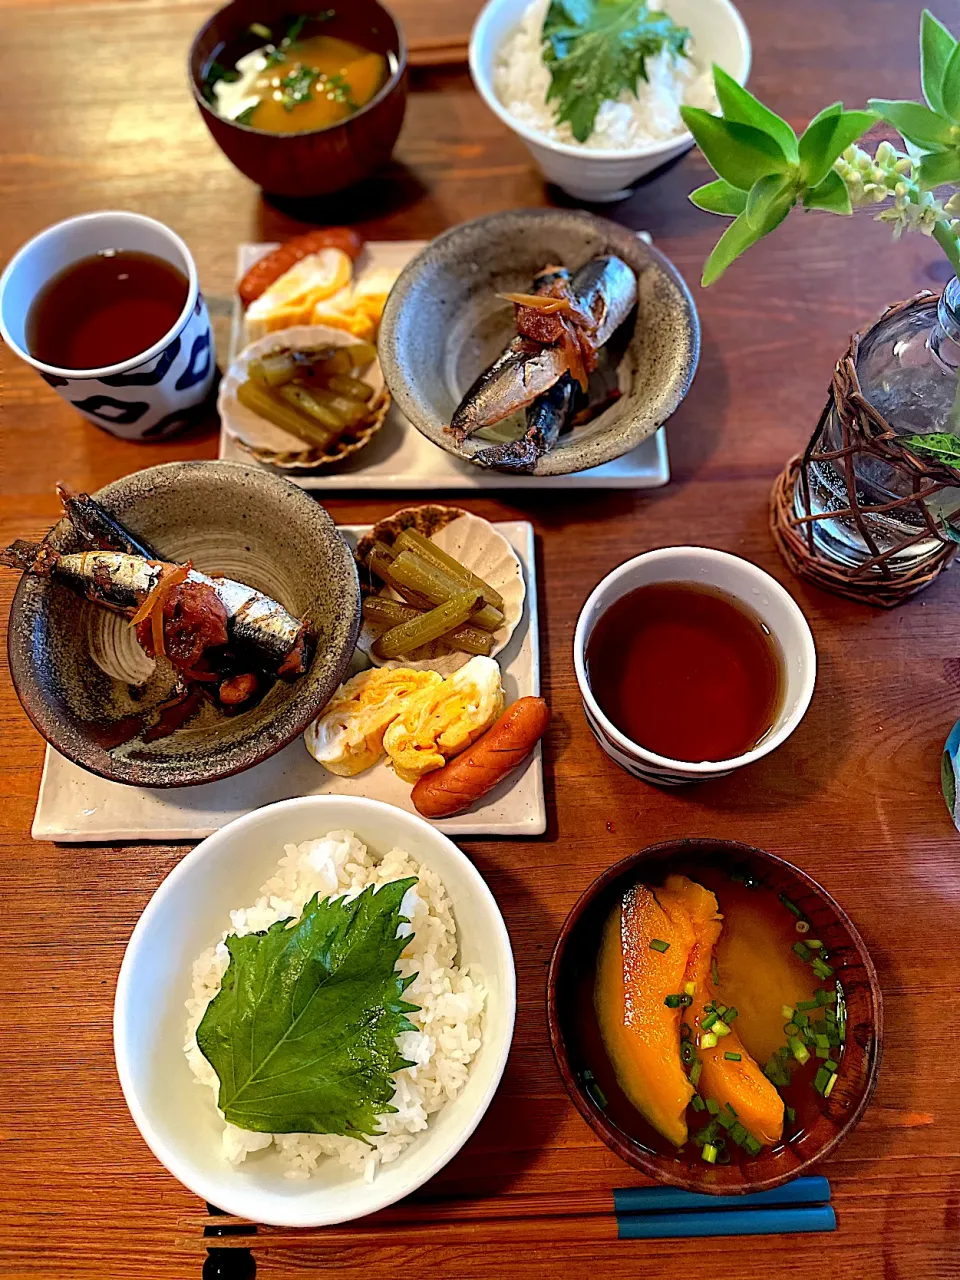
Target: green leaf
[[936, 46], [828, 136], [767, 196], [737, 237], [720, 197], [830, 194], [941, 446], [940, 167], [594, 49], [741, 107], [302, 1033], [950, 89], [917, 123], [834, 109], [737, 152]]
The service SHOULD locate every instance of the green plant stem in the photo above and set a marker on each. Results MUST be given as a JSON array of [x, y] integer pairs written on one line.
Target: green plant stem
[[947, 240]]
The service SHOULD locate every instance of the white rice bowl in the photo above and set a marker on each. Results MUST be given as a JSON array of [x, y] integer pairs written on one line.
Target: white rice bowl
[[650, 115], [451, 1000]]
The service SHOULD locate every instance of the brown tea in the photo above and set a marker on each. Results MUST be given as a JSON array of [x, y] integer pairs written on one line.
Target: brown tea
[[104, 309], [686, 671]]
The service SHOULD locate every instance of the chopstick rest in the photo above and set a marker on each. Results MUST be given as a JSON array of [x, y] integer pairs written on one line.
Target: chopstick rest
[[646, 1213]]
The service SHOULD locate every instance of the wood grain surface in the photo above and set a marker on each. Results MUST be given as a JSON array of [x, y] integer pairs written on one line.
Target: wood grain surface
[[99, 116]]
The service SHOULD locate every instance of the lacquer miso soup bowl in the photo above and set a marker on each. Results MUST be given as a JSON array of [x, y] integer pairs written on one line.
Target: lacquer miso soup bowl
[[312, 162], [764, 901]]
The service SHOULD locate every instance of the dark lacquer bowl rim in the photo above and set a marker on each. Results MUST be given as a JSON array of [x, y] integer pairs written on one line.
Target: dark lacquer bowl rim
[[660, 1168], [196, 83], [59, 732]]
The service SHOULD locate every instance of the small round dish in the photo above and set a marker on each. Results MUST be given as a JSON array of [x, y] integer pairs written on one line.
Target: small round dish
[[178, 1120], [273, 446], [81, 676], [315, 162], [443, 323], [591, 174], [576, 1042], [471, 540]]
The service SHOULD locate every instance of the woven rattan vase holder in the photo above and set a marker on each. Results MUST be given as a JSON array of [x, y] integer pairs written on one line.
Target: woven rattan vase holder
[[863, 432]]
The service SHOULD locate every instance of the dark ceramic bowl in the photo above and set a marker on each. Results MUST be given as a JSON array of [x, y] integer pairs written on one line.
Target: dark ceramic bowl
[[577, 1046], [443, 324], [316, 162], [81, 675]]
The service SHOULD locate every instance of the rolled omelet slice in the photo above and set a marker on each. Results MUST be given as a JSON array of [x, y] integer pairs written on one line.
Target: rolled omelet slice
[[348, 736], [443, 720], [643, 956]]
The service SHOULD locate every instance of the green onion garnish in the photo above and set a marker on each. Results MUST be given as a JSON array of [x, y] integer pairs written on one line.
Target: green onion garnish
[[752, 1146], [730, 1014], [731, 1108], [658, 944], [806, 1005], [597, 1095], [714, 972], [830, 1083], [790, 1114], [713, 1106], [831, 1065], [720, 1029], [697, 1103], [686, 1052], [732, 1057], [799, 1051], [802, 1019], [709, 1153], [822, 1053], [695, 1073], [686, 1001], [739, 1134], [727, 1121], [791, 906], [787, 1012], [800, 948], [814, 942], [821, 1079], [672, 1002], [689, 988], [790, 1029], [708, 1021], [258, 29], [821, 968], [708, 1041]]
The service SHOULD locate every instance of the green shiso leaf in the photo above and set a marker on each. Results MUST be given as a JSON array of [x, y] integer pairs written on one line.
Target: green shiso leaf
[[594, 49], [302, 1034]]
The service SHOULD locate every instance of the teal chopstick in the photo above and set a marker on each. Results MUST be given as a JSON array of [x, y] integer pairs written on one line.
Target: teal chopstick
[[727, 1222], [801, 1191]]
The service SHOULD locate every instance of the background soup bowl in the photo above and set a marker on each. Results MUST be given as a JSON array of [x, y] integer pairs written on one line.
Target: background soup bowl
[[151, 394], [719, 36], [576, 1043], [314, 162], [189, 912], [737, 577]]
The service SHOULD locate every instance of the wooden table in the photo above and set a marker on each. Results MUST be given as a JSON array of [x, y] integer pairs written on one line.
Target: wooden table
[[99, 117]]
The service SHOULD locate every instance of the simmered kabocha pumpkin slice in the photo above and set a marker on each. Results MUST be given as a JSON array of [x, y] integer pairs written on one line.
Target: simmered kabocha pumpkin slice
[[643, 955], [727, 1071]]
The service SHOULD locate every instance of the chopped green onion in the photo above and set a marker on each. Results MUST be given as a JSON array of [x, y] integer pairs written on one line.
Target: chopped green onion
[[802, 927], [790, 1114], [830, 1083], [658, 944], [713, 1106], [689, 988], [708, 1041], [587, 1074], [784, 1051], [752, 1146], [730, 1014], [686, 1052], [720, 1009], [672, 1002], [787, 1012], [822, 1042], [801, 1019], [821, 968], [806, 1005], [732, 1057], [800, 1051], [739, 1134], [695, 1073], [709, 1153], [731, 1108], [720, 1029], [790, 1029], [258, 29], [831, 1065], [597, 1095], [791, 906], [714, 973], [830, 997], [686, 1001], [727, 1121], [813, 942], [822, 1079], [799, 947], [697, 1103], [708, 1021], [822, 1053]]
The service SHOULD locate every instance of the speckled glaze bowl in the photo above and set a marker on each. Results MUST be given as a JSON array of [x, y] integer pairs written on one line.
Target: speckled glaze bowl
[[79, 671], [444, 323]]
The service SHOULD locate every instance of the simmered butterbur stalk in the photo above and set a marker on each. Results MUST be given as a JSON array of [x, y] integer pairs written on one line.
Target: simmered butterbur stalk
[[352, 388], [436, 586], [430, 626], [382, 612], [273, 369], [411, 540], [380, 561], [309, 402], [261, 402]]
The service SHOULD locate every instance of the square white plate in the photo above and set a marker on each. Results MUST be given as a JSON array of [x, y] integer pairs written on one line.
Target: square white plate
[[74, 805], [399, 457]]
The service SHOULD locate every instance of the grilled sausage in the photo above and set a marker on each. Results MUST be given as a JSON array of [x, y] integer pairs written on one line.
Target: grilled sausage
[[467, 777], [273, 265]]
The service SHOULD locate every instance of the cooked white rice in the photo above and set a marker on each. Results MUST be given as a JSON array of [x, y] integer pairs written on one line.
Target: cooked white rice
[[652, 114], [451, 999]]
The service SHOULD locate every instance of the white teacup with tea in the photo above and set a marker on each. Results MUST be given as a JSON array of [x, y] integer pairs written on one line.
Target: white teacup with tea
[[107, 308]]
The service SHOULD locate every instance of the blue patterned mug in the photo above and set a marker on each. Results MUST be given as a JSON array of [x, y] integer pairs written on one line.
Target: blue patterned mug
[[150, 395]]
